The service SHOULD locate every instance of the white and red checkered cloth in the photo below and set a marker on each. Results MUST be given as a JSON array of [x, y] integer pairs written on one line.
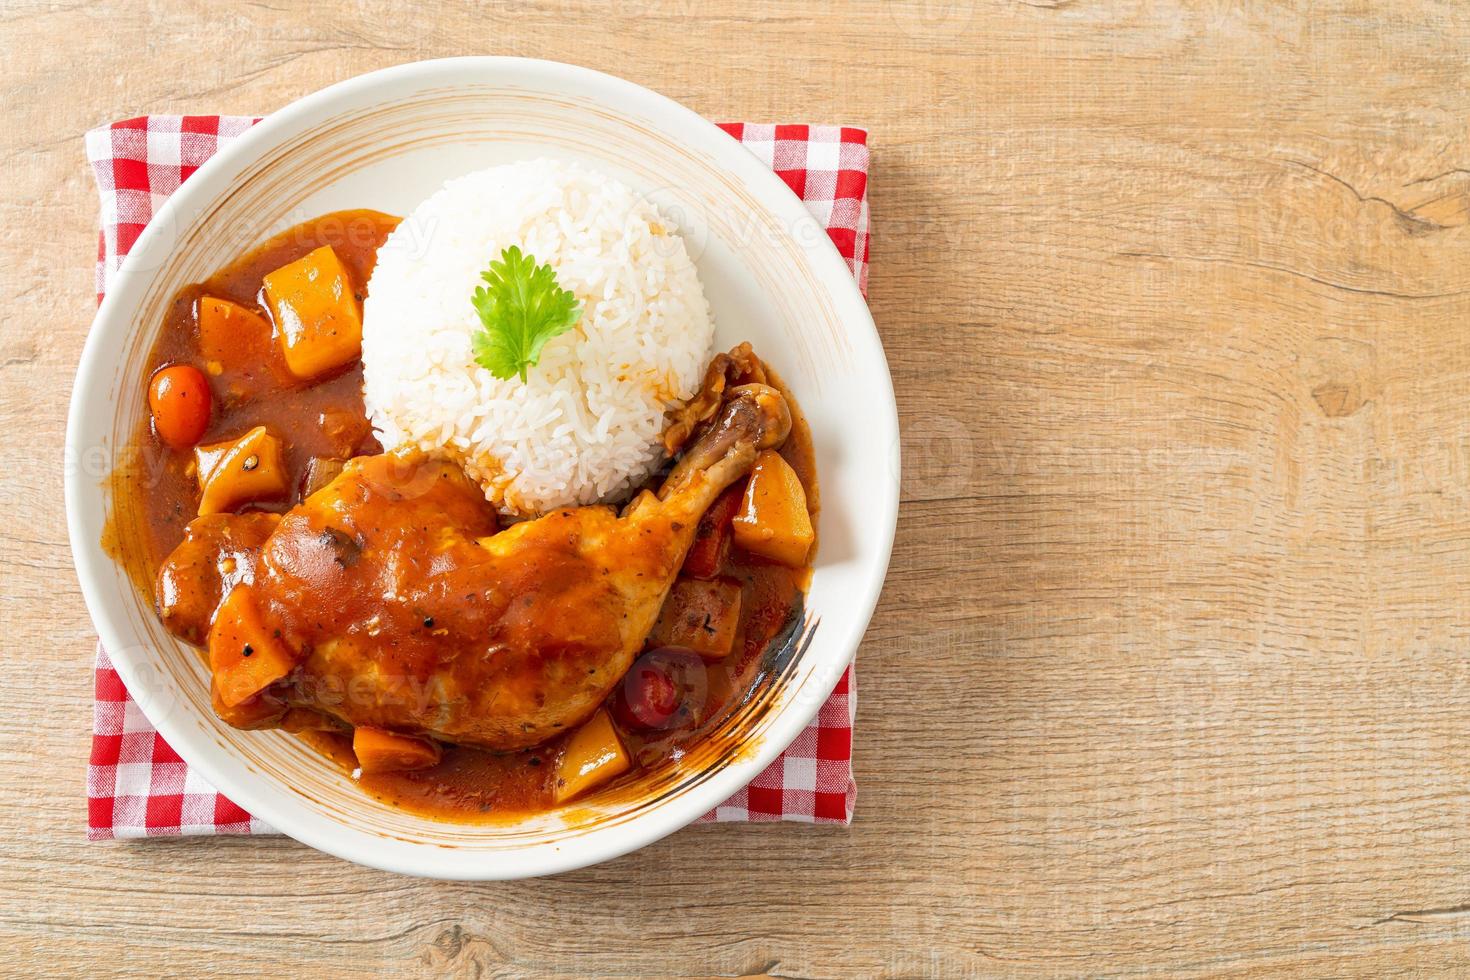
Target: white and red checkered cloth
[[137, 786]]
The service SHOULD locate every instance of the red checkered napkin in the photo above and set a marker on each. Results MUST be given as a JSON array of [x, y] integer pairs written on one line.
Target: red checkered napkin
[[137, 786]]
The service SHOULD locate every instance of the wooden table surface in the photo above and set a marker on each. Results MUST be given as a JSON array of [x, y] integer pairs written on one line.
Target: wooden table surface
[[1170, 674]]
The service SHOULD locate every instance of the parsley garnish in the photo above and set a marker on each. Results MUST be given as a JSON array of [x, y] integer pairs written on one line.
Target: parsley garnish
[[521, 307]]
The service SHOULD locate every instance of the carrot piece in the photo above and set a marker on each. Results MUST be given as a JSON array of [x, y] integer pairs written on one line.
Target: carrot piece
[[593, 755], [712, 538], [316, 313], [378, 750], [260, 711], [774, 521], [229, 334], [245, 656], [238, 471], [702, 616]]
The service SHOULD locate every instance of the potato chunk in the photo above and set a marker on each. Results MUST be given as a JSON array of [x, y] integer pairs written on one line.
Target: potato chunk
[[316, 313], [703, 616], [383, 751], [245, 657], [773, 521], [593, 755], [239, 471], [229, 334]]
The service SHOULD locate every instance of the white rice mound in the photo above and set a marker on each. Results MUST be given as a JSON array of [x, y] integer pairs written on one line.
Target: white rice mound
[[585, 425]]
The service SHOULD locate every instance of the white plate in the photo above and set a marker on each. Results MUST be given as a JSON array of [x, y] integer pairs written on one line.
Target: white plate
[[385, 141]]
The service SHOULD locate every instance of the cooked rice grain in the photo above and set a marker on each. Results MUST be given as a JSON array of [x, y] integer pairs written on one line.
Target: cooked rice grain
[[585, 425]]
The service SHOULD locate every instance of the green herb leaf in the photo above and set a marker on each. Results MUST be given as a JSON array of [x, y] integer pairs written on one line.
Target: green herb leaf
[[521, 307]]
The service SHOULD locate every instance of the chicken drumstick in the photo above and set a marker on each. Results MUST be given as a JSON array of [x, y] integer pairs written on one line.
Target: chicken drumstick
[[406, 611]]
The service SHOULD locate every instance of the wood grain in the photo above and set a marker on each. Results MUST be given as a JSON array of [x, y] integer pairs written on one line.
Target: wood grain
[[1170, 675]]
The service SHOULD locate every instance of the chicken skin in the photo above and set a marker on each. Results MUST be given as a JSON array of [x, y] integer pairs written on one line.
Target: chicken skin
[[406, 609]]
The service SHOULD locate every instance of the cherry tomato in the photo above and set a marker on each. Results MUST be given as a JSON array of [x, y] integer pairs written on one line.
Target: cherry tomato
[[179, 400], [664, 689], [647, 698]]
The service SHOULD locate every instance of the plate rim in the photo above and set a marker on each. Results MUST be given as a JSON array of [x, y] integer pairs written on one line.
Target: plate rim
[[271, 803]]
